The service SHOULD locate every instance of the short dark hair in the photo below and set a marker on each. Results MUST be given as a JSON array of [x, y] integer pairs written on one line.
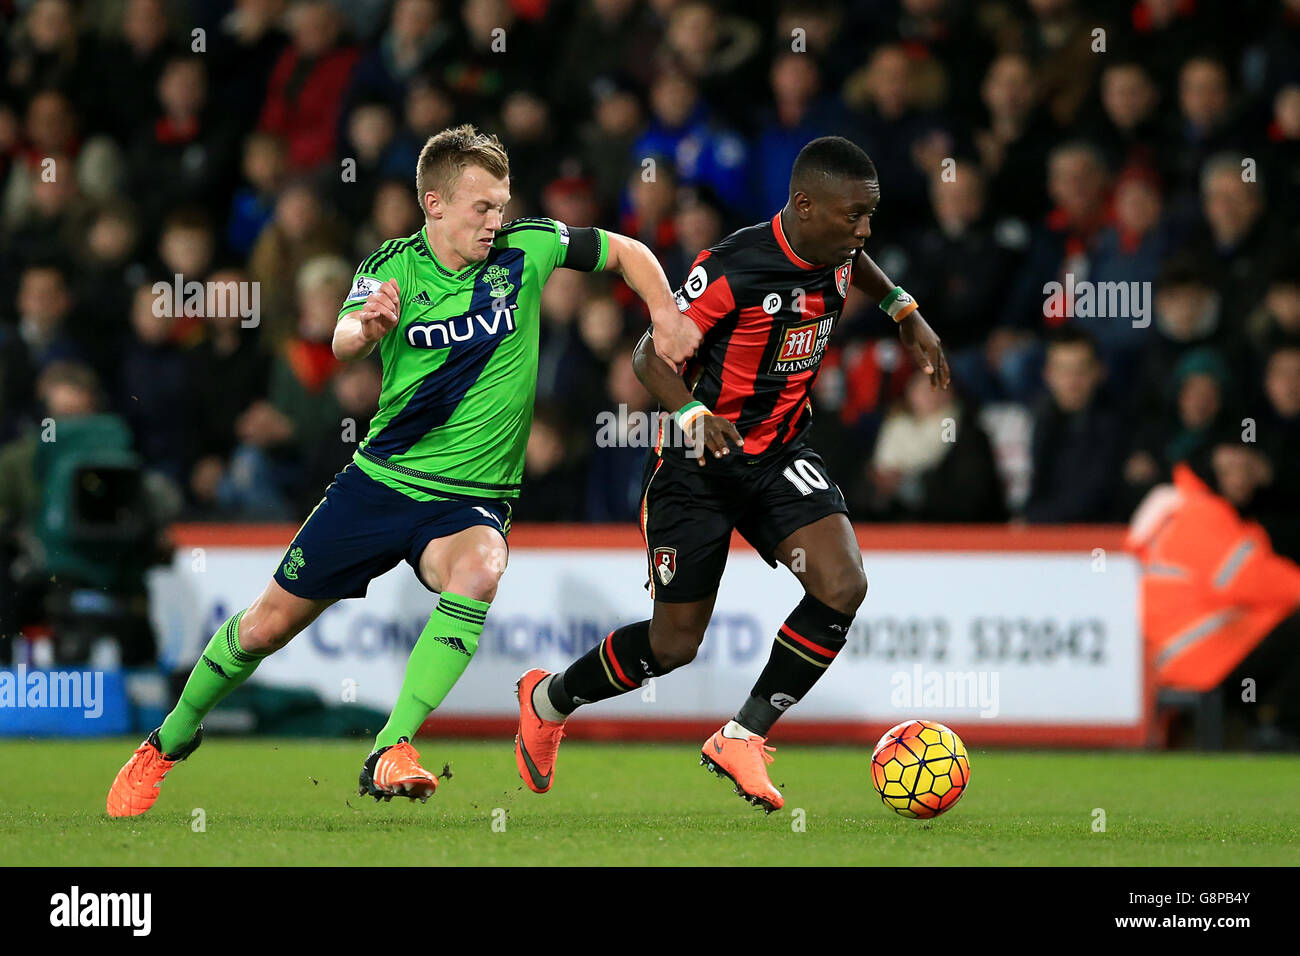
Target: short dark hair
[[1073, 335], [830, 158]]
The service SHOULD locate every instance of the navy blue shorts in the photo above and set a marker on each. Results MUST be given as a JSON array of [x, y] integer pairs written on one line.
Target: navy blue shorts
[[362, 528]]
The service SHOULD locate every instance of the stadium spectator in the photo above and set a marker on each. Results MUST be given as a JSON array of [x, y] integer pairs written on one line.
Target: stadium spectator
[[475, 73], [185, 154], [608, 139], [800, 112], [127, 66], [621, 438], [1235, 234], [305, 96], [416, 37], [568, 375], [1205, 124], [529, 135], [717, 52], [356, 393], [65, 390], [1279, 433], [109, 270], [230, 373], [607, 39], [1128, 251], [1277, 320], [276, 433], [703, 152], [933, 462], [244, 51], [551, 472], [1128, 129], [1062, 42], [905, 142], [45, 309], [253, 204], [391, 216], [1078, 437], [571, 200], [46, 51], [302, 228], [961, 268], [369, 143], [1014, 141], [1282, 154], [652, 196], [154, 387], [1199, 406], [697, 226]]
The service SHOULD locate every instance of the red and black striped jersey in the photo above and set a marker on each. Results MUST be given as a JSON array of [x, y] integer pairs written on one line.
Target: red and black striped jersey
[[766, 315]]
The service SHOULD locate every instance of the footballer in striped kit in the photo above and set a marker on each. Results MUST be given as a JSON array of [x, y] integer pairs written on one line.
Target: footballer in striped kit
[[766, 300]]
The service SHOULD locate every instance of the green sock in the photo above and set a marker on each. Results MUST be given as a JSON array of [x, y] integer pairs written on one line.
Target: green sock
[[438, 659], [222, 667]]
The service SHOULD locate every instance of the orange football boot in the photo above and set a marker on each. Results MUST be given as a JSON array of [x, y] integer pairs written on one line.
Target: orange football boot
[[135, 788], [742, 757], [538, 740], [395, 771]]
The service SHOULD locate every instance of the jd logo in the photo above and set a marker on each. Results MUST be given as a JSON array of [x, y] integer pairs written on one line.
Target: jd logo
[[498, 280], [293, 563]]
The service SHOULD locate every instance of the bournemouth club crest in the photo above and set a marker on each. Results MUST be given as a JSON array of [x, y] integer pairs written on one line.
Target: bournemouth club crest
[[665, 564], [842, 276]]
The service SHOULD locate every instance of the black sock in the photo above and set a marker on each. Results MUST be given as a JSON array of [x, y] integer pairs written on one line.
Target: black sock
[[615, 666], [804, 647]]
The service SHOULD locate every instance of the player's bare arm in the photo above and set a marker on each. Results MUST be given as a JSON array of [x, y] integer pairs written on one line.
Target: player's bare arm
[[667, 388], [914, 332], [676, 337], [355, 335]]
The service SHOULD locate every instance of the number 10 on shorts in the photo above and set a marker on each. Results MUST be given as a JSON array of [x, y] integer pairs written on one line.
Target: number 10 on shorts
[[804, 475]]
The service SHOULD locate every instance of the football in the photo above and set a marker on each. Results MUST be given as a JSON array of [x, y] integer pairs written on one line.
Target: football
[[920, 769]]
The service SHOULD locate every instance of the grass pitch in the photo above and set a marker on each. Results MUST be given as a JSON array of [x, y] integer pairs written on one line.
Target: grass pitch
[[269, 802]]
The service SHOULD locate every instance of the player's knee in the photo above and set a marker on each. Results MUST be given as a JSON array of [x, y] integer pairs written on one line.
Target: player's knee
[[264, 630], [475, 578], [846, 590], [674, 647]]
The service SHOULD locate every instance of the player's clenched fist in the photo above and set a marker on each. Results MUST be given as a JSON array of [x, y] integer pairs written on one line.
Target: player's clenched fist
[[379, 314], [711, 434]]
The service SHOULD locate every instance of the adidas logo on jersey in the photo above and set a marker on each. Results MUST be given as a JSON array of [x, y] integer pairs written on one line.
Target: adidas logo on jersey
[[422, 299]]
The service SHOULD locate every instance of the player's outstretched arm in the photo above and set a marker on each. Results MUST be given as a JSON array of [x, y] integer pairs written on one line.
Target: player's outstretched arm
[[706, 430], [676, 337], [914, 332], [356, 333]]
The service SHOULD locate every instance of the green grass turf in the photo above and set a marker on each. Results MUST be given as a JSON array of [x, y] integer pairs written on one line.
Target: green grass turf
[[287, 802]]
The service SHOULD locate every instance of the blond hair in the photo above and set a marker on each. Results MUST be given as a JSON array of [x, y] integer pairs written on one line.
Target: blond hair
[[446, 154]]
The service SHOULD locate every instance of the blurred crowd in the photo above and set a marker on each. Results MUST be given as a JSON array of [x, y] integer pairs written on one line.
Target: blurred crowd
[[1150, 143]]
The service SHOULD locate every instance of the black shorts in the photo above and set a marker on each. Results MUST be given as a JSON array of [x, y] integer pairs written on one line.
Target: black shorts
[[688, 513], [362, 529]]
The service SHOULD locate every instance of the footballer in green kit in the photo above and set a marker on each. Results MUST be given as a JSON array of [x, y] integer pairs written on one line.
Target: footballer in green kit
[[454, 311]]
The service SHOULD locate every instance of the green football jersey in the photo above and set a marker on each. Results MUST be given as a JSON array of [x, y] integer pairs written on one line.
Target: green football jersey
[[460, 366]]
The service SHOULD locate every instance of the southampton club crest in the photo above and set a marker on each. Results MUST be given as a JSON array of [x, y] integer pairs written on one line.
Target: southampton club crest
[[665, 564], [498, 281]]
